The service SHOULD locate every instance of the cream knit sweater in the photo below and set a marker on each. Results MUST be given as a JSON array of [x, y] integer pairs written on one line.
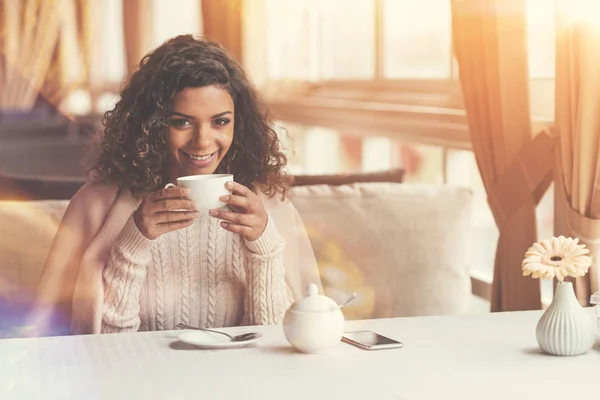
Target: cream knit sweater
[[202, 275], [102, 274]]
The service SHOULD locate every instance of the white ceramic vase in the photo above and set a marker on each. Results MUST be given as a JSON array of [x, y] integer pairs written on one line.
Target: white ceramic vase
[[565, 329]]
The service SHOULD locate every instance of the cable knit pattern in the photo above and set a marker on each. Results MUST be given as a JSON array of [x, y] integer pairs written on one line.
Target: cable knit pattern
[[194, 266], [185, 276], [211, 272], [123, 279], [237, 259], [159, 285], [266, 298], [235, 281]]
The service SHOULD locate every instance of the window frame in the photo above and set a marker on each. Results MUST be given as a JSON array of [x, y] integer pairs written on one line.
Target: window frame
[[427, 112], [422, 111]]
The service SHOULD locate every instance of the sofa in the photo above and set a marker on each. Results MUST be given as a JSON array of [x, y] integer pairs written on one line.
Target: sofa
[[402, 247]]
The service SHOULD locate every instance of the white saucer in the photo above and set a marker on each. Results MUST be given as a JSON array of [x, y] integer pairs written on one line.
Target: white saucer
[[207, 340]]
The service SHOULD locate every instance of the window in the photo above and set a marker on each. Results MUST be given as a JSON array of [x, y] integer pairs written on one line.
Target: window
[[110, 38], [540, 38], [417, 41], [378, 84], [346, 39], [382, 56], [173, 18], [541, 49], [291, 45]]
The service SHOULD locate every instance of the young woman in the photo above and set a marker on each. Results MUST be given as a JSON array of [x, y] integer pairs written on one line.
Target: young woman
[[125, 260]]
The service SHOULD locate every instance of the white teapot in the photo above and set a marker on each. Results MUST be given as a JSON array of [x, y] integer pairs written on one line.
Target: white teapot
[[314, 323]]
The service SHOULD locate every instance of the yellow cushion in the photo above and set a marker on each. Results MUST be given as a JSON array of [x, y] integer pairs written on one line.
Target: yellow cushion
[[27, 229]]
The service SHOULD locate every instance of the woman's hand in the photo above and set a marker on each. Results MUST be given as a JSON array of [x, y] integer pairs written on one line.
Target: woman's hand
[[248, 218], [156, 214]]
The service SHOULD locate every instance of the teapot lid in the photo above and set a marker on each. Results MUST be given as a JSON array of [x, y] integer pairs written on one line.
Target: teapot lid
[[314, 302]]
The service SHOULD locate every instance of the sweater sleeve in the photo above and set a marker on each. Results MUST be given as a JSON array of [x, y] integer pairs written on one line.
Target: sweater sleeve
[[267, 293], [124, 278]]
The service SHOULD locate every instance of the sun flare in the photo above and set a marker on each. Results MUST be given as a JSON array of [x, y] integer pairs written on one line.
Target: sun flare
[[582, 13]]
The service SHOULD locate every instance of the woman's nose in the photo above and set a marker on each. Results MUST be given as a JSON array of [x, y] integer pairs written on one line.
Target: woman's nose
[[203, 136]]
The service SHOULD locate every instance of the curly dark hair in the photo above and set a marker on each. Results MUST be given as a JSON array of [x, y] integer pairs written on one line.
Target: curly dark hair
[[134, 151]]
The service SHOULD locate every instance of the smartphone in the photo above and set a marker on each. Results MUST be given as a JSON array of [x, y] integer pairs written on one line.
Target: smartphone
[[370, 340]]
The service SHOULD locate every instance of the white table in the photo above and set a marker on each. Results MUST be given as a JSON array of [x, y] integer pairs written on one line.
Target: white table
[[491, 356]]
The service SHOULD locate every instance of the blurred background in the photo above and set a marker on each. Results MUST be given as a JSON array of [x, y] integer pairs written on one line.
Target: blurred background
[[354, 85]]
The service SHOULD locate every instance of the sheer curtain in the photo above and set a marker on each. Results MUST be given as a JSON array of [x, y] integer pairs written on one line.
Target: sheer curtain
[[45, 49], [29, 45], [137, 31], [516, 168], [147, 24], [222, 22], [578, 128]]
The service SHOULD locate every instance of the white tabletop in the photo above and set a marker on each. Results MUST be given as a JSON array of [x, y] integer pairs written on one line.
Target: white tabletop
[[492, 356]]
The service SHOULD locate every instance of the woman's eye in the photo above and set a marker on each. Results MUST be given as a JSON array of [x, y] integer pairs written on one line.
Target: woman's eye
[[221, 122], [179, 122]]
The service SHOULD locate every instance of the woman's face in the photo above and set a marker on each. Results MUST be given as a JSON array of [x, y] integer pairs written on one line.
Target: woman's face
[[200, 131]]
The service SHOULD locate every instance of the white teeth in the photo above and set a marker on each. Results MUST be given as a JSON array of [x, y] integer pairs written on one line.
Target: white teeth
[[200, 158]]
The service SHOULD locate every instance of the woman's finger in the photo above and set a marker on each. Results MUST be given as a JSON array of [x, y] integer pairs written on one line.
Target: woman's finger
[[232, 217], [171, 204], [242, 230], [174, 216], [236, 201], [168, 193], [173, 226], [238, 188]]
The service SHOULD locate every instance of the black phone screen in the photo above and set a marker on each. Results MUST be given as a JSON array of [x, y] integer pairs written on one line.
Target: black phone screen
[[369, 338]]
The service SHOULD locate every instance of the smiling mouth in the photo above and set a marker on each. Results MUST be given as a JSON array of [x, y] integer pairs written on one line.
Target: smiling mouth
[[199, 158]]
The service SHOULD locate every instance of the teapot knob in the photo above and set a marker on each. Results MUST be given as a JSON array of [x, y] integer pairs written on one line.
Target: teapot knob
[[312, 290]]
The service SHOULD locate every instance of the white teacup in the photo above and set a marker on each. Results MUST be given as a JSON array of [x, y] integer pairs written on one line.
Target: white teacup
[[205, 190]]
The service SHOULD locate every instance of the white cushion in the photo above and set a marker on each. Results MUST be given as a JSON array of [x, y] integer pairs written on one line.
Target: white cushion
[[403, 247]]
